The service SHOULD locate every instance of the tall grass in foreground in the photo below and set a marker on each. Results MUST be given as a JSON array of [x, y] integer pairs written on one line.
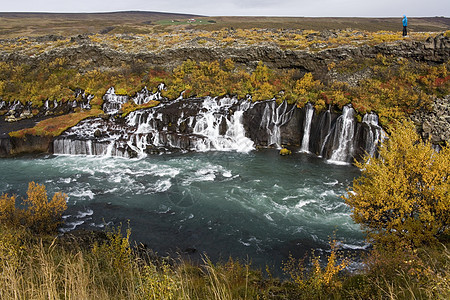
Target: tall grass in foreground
[[51, 268], [47, 268]]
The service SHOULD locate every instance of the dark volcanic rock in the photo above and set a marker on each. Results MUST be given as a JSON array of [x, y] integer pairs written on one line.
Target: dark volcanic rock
[[436, 50], [435, 124]]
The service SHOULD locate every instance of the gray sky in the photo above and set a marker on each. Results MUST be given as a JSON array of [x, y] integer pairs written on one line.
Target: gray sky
[[341, 8]]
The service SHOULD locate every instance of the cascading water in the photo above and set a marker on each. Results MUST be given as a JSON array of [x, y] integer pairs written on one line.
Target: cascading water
[[217, 124], [309, 111], [196, 125], [112, 102], [324, 130], [374, 134], [273, 118], [145, 95], [221, 127], [91, 137], [343, 136]]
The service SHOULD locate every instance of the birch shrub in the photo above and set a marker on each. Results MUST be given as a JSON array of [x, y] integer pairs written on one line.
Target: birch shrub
[[403, 195]]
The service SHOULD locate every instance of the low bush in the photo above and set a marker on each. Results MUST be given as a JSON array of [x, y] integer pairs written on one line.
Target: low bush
[[36, 212]]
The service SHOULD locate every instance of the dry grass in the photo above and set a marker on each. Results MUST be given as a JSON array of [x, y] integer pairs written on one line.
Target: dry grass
[[308, 23], [55, 126], [50, 268]]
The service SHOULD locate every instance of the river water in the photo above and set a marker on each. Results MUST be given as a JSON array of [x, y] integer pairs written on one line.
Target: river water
[[258, 206]]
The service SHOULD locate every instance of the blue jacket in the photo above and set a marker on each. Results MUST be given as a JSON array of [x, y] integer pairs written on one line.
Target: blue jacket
[[405, 21]]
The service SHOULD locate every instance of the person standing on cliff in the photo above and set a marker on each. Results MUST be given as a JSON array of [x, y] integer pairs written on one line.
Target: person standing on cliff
[[405, 24]]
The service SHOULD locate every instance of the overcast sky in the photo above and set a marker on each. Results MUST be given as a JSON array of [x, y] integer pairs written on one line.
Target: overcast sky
[[341, 8]]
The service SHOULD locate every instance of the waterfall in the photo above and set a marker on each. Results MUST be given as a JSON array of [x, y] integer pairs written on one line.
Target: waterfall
[[325, 130], [145, 96], [112, 102], [218, 124], [221, 127], [273, 118], [146, 133], [87, 103], [70, 146], [374, 134], [92, 137], [307, 127], [343, 136]]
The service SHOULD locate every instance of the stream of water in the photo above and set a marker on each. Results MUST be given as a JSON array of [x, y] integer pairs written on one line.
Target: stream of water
[[257, 205]]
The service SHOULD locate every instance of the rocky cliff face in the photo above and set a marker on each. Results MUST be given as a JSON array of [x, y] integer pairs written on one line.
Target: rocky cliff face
[[221, 124], [435, 50], [435, 124]]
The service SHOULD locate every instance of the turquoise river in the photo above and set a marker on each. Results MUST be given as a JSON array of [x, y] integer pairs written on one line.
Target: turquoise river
[[256, 206]]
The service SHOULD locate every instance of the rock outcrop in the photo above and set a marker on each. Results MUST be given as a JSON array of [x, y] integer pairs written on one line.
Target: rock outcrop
[[435, 124], [264, 123], [434, 50]]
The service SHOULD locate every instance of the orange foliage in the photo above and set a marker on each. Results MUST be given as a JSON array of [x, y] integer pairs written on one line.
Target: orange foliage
[[55, 126]]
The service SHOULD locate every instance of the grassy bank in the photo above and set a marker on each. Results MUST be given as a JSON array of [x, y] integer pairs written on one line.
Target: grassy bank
[[48, 267]]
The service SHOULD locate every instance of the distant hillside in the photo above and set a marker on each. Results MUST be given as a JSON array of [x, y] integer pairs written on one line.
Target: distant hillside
[[368, 24], [68, 24], [35, 24]]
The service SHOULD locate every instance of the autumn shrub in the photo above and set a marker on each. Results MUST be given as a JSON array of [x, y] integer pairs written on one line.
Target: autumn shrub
[[116, 251], [8, 212], [317, 281], [36, 211], [158, 282], [402, 196]]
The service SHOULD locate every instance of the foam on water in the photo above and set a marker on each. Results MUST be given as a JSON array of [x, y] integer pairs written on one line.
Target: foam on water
[[82, 194], [256, 204], [84, 214]]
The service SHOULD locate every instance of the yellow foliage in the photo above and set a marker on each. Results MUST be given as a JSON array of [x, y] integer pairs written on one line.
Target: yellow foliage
[[116, 250], [43, 215], [38, 213], [228, 64], [285, 151], [8, 214], [318, 280], [159, 283], [403, 196]]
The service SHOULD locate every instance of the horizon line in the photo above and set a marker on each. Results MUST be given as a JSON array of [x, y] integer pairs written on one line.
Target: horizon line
[[212, 16]]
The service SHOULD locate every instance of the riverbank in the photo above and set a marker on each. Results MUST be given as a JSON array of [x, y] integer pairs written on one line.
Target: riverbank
[[108, 267]]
